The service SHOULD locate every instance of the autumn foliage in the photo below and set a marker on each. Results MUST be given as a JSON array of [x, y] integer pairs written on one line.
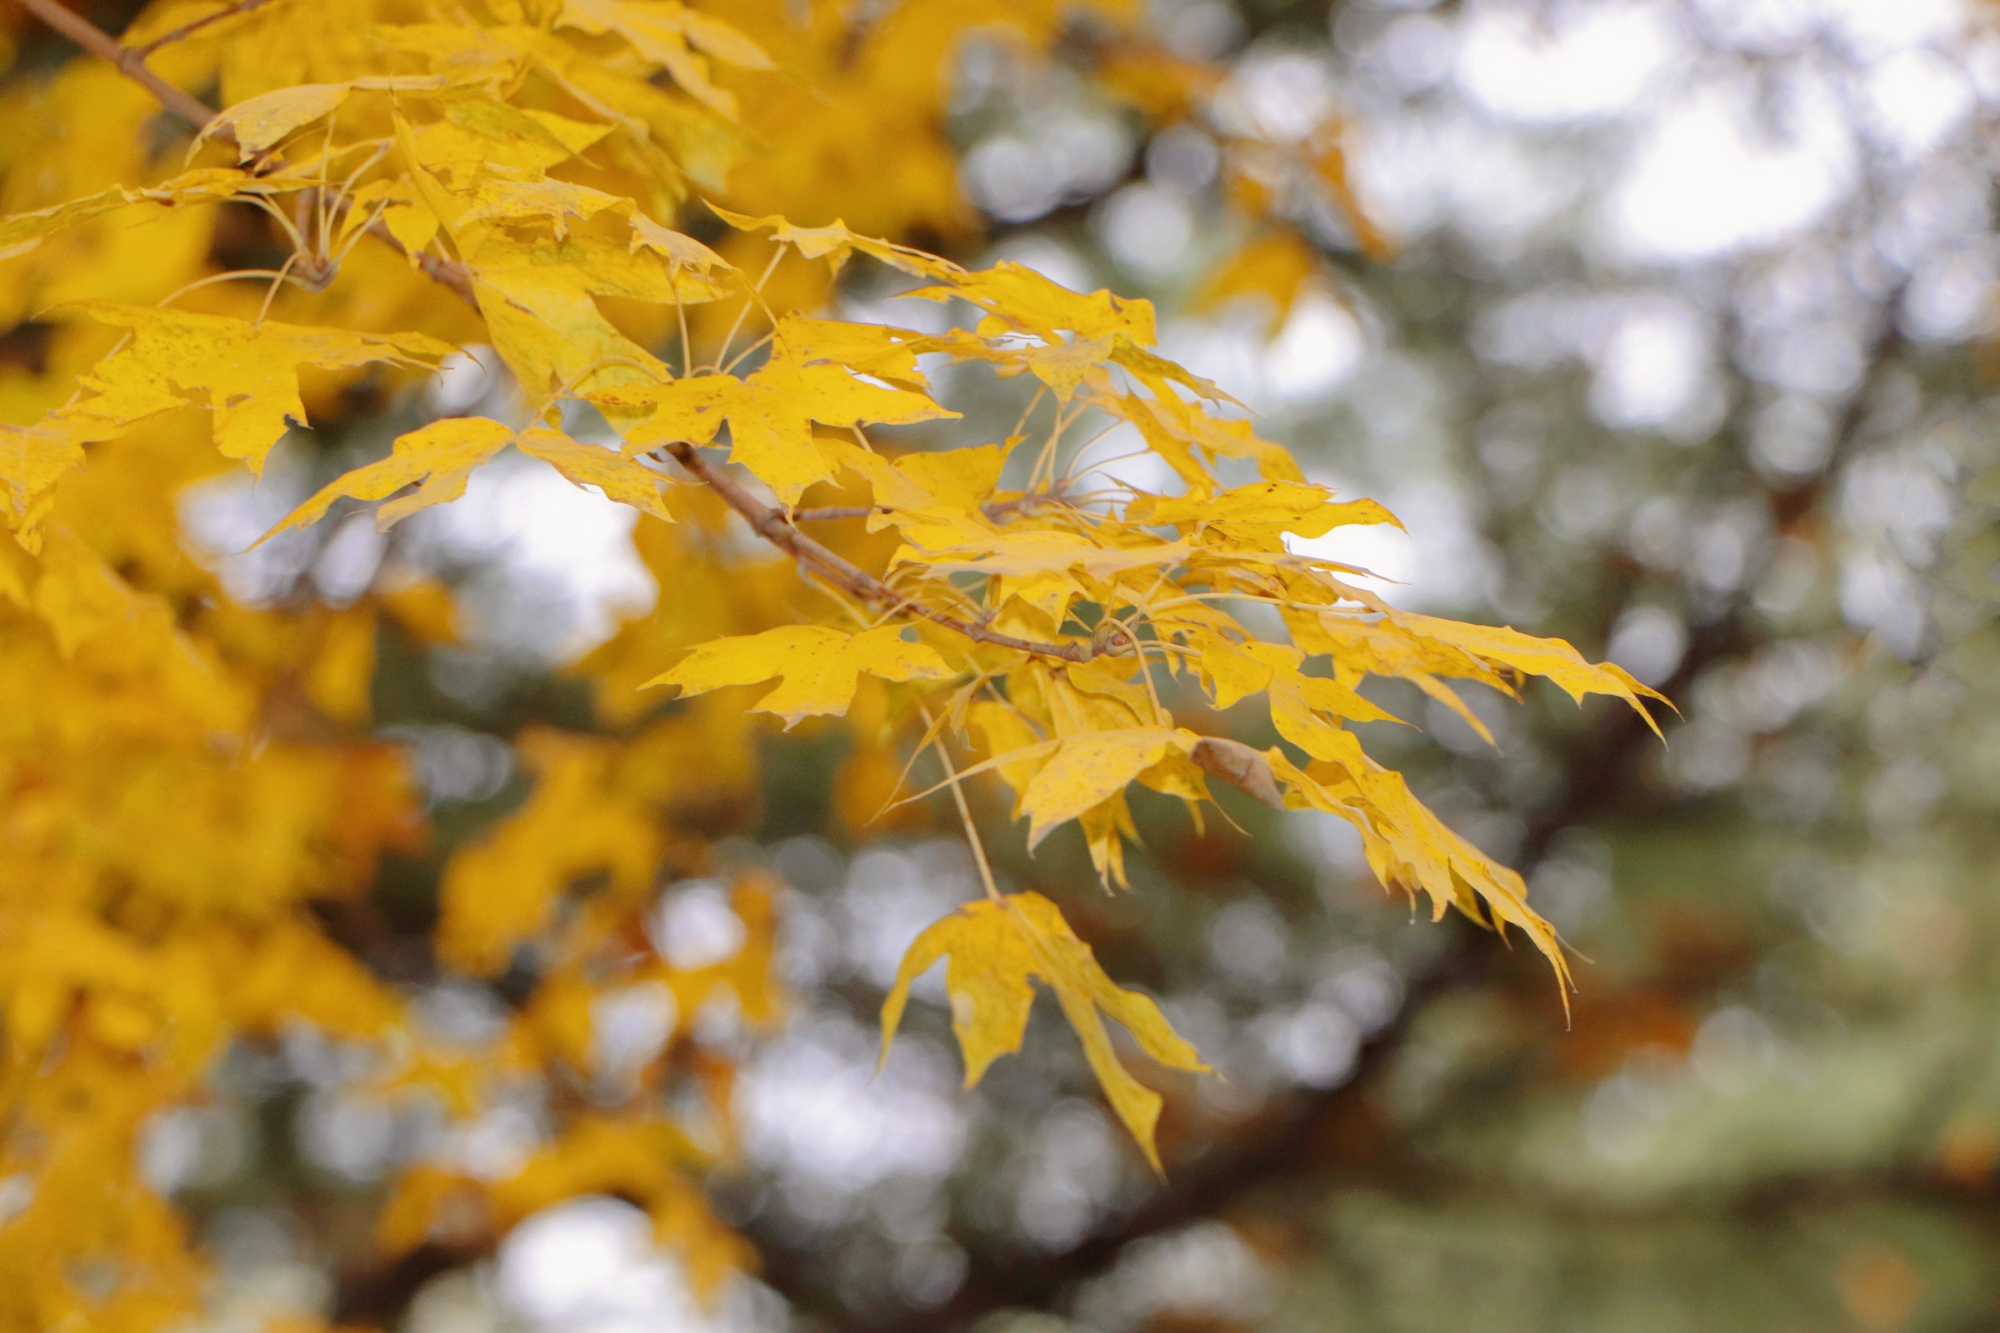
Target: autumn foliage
[[189, 781]]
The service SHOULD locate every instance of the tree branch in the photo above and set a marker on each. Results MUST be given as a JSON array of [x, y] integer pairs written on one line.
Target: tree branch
[[775, 528], [447, 273], [131, 63]]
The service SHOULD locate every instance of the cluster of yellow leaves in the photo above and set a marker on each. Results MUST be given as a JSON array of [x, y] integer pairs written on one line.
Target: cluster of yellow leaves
[[1073, 615], [191, 775], [1108, 604]]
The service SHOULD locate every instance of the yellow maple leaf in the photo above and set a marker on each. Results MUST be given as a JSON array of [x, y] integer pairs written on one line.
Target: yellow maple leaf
[[263, 121], [539, 309], [1552, 659], [1275, 266], [554, 201], [958, 478], [480, 130], [820, 667], [994, 948], [1002, 731], [1046, 551], [677, 249], [1063, 365], [24, 231], [879, 350], [1174, 429], [620, 477], [248, 374], [1234, 674], [266, 119], [663, 31], [770, 416], [1297, 700], [1152, 370], [1410, 848], [442, 456], [836, 241], [1089, 769], [1260, 514], [397, 205], [933, 499], [1018, 298], [1360, 648], [34, 458]]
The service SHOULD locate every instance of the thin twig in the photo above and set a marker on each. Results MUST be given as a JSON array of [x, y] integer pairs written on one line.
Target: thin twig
[[189, 29], [130, 63], [276, 283], [749, 299], [1025, 505], [964, 814], [751, 350], [775, 528], [830, 513]]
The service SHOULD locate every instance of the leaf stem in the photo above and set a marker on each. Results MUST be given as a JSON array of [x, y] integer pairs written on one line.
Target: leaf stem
[[749, 299], [964, 810]]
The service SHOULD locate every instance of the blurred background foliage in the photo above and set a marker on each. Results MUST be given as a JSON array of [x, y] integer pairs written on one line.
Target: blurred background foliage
[[1665, 328]]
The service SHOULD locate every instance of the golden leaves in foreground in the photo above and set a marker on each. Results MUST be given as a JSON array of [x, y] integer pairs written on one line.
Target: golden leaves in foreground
[[770, 415], [1089, 769], [994, 948], [439, 459], [820, 667], [1552, 659], [246, 373]]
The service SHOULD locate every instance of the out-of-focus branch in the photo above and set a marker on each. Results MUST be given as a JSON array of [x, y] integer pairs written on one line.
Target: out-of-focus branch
[[130, 62]]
